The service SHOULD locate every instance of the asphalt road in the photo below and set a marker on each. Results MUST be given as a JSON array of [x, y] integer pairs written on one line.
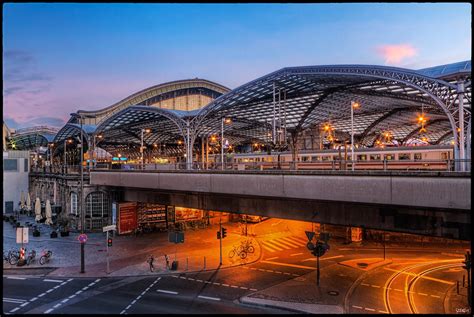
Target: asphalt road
[[416, 281]]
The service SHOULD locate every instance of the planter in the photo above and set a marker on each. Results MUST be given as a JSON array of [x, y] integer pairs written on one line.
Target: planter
[[53, 234], [36, 233], [64, 233]]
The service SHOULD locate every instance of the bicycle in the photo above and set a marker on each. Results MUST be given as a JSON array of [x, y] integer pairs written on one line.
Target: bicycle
[[247, 246], [45, 257], [239, 251], [150, 260], [13, 257], [31, 257]]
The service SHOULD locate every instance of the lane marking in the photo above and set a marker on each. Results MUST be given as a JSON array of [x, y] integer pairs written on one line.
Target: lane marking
[[54, 281], [423, 294], [14, 310], [167, 292], [295, 254], [322, 259], [138, 297], [280, 244], [225, 284], [64, 300], [356, 306], [50, 290], [16, 278], [365, 284], [299, 240], [269, 248], [13, 301], [421, 276], [435, 296], [253, 289], [383, 312], [369, 309], [17, 299], [41, 295], [288, 245], [48, 311], [78, 292], [72, 296], [56, 306], [290, 265], [376, 286], [33, 299], [274, 258], [24, 304], [234, 286], [207, 297], [242, 287]]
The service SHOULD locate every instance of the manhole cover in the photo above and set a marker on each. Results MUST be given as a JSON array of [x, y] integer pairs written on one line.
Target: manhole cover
[[362, 264], [333, 293]]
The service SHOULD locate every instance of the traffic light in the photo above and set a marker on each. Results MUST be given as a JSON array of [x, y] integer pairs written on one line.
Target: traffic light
[[467, 261], [224, 232], [320, 249], [109, 242], [218, 234]]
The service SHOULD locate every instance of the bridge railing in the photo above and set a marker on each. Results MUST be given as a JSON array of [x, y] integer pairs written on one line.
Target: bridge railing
[[334, 165]]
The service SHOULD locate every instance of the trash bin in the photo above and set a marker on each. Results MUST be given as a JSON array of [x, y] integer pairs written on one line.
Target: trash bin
[[174, 265]]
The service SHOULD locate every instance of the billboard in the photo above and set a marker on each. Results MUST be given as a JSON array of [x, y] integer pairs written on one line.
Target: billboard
[[127, 217]]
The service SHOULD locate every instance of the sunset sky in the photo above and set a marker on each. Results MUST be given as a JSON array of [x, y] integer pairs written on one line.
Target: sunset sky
[[59, 58]]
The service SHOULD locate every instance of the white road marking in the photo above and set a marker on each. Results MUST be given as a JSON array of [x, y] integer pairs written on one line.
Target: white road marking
[[167, 292], [97, 280], [280, 244], [270, 247], [85, 287], [78, 292], [234, 286], [297, 240], [295, 254], [190, 278], [56, 306], [41, 295], [225, 284], [24, 304], [242, 287], [357, 307], [64, 300], [290, 265], [48, 311], [253, 289], [72, 296], [383, 312], [199, 281], [54, 281], [50, 290], [12, 301], [207, 297], [423, 294], [376, 286], [369, 309], [33, 299], [16, 299], [435, 296], [14, 310], [275, 257], [322, 258], [16, 278]]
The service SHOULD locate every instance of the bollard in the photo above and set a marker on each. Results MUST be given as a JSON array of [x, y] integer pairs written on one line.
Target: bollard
[[204, 263], [457, 287], [187, 263]]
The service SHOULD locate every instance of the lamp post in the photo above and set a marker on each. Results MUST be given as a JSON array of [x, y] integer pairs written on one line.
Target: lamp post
[[141, 147], [224, 120], [94, 152], [353, 106]]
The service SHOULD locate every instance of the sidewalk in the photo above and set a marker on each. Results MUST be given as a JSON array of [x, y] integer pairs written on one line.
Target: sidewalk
[[128, 254]]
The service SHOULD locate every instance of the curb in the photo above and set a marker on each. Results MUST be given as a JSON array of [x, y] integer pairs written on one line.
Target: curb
[[242, 301]]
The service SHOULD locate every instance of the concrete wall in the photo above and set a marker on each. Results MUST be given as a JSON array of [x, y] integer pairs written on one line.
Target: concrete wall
[[15, 181], [422, 191]]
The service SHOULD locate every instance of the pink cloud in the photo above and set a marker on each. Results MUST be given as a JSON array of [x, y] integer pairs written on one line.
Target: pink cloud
[[394, 54]]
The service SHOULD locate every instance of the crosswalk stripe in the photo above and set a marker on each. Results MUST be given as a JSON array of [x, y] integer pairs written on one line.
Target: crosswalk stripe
[[298, 240], [291, 245], [270, 248], [273, 242]]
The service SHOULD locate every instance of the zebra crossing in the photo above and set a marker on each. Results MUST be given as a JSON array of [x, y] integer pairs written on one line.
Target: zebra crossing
[[283, 243]]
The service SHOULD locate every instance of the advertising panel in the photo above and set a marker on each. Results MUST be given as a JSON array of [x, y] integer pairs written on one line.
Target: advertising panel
[[127, 218], [187, 214]]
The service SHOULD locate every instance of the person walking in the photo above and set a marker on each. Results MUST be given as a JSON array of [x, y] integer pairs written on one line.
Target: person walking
[[150, 262]]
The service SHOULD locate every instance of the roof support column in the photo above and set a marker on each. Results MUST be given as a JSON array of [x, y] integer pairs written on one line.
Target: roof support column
[[189, 147], [294, 149], [462, 146], [468, 145]]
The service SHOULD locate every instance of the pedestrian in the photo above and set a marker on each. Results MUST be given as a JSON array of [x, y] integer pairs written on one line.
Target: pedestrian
[[150, 261], [167, 262]]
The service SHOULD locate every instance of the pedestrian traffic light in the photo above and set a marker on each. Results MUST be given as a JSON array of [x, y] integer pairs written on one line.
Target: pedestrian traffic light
[[109, 242], [224, 232], [467, 261], [218, 234]]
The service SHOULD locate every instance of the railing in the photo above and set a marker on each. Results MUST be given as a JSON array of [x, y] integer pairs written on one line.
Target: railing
[[334, 165]]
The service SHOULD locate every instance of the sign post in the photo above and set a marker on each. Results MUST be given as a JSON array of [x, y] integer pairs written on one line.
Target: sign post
[[22, 237], [82, 239], [107, 229]]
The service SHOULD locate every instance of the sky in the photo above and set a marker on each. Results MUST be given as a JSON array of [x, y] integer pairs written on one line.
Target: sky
[[60, 58]]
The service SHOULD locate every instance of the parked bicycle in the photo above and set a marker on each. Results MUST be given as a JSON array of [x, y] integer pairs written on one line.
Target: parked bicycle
[[150, 260], [13, 257], [239, 251], [31, 257], [46, 256], [247, 246]]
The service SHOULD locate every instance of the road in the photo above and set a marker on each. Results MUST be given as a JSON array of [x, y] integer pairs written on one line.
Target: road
[[416, 281]]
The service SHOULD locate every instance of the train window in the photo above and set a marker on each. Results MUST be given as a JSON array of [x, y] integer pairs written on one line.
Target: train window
[[389, 157], [362, 157], [315, 158], [326, 158], [375, 157], [444, 155], [305, 158], [417, 156], [403, 156]]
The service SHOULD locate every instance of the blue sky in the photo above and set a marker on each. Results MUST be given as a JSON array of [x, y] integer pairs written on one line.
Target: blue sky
[[59, 58]]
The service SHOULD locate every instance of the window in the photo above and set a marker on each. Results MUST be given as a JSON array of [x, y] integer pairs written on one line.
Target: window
[[26, 166], [375, 157], [417, 156], [444, 155], [305, 158], [97, 205], [74, 203], [403, 156], [389, 157], [362, 157], [10, 165], [326, 158]]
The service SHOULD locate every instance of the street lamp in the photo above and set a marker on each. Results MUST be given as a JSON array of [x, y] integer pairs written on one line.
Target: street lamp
[[141, 148], [93, 156], [227, 121], [354, 105]]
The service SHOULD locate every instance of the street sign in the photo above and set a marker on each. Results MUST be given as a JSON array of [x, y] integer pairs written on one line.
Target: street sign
[[310, 235], [82, 238], [21, 235], [109, 228]]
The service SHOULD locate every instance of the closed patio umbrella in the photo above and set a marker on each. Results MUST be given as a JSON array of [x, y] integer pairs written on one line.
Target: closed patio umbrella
[[28, 203], [22, 200], [49, 213], [38, 209]]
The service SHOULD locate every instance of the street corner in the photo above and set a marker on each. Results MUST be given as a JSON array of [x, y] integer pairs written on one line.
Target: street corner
[[366, 264], [291, 306]]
